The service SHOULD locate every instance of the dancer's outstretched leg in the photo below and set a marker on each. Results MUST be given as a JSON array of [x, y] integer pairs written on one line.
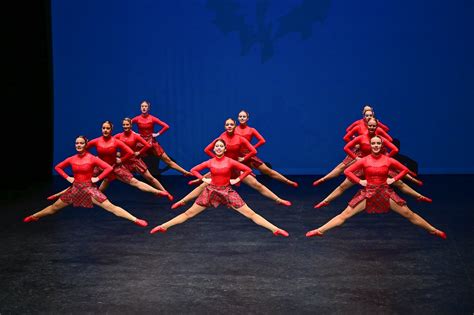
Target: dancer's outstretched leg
[[410, 191], [275, 175], [255, 184], [416, 219], [346, 184], [338, 219], [194, 210], [338, 170], [165, 158], [258, 219]]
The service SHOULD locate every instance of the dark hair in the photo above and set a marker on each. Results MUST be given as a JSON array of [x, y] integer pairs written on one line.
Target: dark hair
[[83, 137], [146, 102], [221, 140], [110, 123]]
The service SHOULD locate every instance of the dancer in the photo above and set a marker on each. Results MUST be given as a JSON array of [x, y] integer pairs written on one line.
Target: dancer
[[254, 162], [135, 163], [376, 196], [84, 192], [107, 148], [367, 113], [146, 123], [364, 149], [235, 145], [219, 191]]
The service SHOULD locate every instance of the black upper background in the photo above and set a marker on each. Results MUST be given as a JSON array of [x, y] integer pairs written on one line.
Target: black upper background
[[28, 92]]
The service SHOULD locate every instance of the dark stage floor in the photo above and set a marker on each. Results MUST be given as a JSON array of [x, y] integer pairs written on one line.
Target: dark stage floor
[[89, 261]]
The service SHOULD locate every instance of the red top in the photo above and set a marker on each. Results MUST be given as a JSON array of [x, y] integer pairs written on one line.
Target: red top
[[131, 139], [363, 123], [146, 122], [221, 170], [248, 133], [107, 149], [235, 144], [360, 130], [365, 149], [83, 167], [376, 169]]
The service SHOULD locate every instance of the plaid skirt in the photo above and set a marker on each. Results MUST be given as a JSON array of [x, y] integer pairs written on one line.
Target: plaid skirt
[[120, 172], [81, 194], [135, 165], [348, 160], [156, 149], [377, 198], [213, 196], [253, 162]]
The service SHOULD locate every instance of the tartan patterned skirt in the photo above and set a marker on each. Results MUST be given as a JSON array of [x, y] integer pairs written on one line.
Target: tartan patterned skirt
[[377, 198], [120, 172], [135, 165], [156, 149], [348, 160], [253, 162], [81, 194], [213, 196]]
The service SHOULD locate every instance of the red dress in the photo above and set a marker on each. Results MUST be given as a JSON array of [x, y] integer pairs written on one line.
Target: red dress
[[107, 148], [235, 145], [83, 190], [249, 133], [137, 144], [146, 123], [377, 193], [219, 191]]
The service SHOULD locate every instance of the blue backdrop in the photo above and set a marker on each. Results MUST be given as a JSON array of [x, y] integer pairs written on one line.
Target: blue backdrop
[[303, 69]]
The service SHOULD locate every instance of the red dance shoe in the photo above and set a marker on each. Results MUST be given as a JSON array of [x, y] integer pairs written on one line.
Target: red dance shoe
[[196, 181], [30, 218], [169, 196], [53, 197], [177, 205], [158, 228], [321, 204], [292, 183], [281, 232], [314, 233], [318, 182], [424, 199], [141, 222], [283, 202], [439, 234], [418, 182]]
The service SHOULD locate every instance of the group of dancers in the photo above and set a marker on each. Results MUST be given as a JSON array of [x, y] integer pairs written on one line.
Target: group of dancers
[[369, 163]]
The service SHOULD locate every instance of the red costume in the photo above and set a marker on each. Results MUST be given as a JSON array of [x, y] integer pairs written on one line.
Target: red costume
[[219, 191], [107, 148], [377, 193], [146, 123], [249, 133], [364, 145], [137, 144], [360, 130], [362, 123], [83, 189], [235, 145]]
